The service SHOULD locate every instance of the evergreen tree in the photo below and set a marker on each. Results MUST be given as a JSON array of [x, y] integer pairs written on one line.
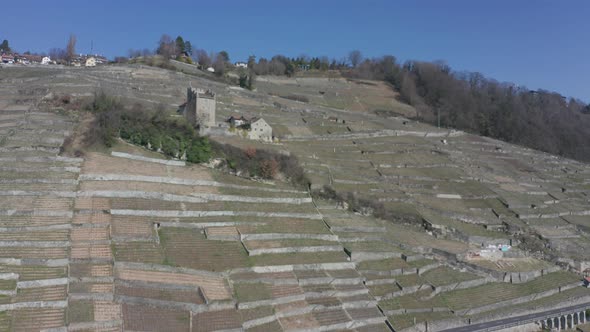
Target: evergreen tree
[[4, 47], [180, 46], [224, 55]]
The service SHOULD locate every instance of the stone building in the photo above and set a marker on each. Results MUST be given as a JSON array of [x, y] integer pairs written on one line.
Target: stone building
[[199, 109], [260, 130]]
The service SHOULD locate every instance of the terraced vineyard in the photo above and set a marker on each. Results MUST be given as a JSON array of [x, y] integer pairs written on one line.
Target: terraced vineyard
[[122, 239]]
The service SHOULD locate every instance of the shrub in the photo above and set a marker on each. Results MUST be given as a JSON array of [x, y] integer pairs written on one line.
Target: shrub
[[250, 152], [169, 146], [199, 150], [264, 163], [269, 168], [65, 99], [243, 80]]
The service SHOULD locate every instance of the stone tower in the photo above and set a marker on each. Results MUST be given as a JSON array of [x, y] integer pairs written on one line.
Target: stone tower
[[200, 108]]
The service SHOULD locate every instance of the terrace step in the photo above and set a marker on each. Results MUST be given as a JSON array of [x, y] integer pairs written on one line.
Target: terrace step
[[88, 234], [286, 236], [91, 297], [287, 250], [82, 250], [101, 326], [177, 181], [147, 159], [214, 287], [358, 229], [228, 233], [197, 214]]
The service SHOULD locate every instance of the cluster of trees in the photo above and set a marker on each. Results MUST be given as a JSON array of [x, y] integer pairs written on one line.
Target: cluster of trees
[[66, 54], [366, 205], [183, 50], [174, 48], [153, 129], [261, 163], [469, 101], [139, 53], [540, 119], [220, 61], [282, 65]]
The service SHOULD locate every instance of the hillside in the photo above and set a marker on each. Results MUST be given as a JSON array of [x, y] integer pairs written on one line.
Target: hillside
[[125, 239]]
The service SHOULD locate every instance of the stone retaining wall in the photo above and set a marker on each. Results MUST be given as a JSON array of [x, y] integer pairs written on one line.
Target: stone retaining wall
[[178, 181], [198, 214], [405, 291], [289, 250], [297, 267], [415, 311], [374, 134], [511, 277], [457, 285], [147, 159], [285, 236], [360, 256]]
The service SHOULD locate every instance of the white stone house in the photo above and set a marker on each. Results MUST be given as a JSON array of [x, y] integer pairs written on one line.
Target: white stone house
[[260, 130], [90, 62], [46, 60], [241, 65]]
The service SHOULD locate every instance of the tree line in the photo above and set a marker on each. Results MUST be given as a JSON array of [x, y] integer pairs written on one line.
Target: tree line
[[469, 101]]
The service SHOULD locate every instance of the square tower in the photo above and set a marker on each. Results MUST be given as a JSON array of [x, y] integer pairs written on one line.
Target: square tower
[[200, 108]]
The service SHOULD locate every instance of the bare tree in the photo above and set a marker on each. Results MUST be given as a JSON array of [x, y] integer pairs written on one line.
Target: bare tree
[[146, 52], [276, 67], [57, 54], [71, 49], [219, 64], [203, 58], [134, 53], [261, 68], [121, 59], [355, 57], [166, 46]]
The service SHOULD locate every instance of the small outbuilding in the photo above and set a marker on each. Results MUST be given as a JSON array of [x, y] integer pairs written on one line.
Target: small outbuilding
[[237, 120]]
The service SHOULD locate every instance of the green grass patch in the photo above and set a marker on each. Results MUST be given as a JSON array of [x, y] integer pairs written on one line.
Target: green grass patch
[[298, 258], [384, 264], [252, 292], [407, 320], [9, 284], [80, 311], [497, 292], [445, 275]]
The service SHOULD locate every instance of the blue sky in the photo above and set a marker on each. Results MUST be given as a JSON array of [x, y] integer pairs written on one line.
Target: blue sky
[[540, 44]]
